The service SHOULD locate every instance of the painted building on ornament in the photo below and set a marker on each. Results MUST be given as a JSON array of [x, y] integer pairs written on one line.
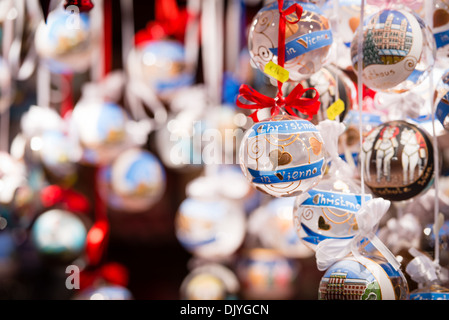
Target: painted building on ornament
[[392, 36], [339, 287]]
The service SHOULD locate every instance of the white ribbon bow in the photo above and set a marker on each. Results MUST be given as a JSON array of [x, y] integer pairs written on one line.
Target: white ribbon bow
[[330, 251], [423, 270], [330, 132]]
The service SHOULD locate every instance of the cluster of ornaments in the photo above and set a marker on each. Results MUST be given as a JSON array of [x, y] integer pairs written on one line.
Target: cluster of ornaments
[[289, 157]]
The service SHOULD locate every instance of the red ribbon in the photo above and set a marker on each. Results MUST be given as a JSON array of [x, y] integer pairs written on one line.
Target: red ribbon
[[69, 199], [113, 273], [170, 21], [282, 23], [295, 100]]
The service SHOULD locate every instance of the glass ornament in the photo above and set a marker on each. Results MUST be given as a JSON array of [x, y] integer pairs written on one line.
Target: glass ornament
[[307, 42], [398, 50], [282, 156], [398, 159], [59, 235]]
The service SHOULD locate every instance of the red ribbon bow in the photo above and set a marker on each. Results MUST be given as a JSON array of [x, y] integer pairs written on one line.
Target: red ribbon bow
[[295, 100]]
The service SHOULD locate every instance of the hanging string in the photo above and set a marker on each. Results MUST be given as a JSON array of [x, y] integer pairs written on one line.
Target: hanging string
[[429, 17], [360, 95]]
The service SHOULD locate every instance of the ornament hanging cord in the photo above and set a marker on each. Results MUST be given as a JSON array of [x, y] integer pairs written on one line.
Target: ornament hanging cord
[[437, 223], [360, 94], [281, 40]]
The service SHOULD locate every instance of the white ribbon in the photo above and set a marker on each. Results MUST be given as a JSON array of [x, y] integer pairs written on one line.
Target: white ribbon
[[399, 105], [330, 251], [330, 132], [423, 270]]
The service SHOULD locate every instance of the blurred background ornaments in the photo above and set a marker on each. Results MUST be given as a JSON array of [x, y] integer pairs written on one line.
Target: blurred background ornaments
[[210, 281], [133, 182], [66, 42]]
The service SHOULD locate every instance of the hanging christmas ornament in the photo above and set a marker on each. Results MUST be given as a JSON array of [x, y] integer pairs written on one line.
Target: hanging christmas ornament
[[59, 235], [161, 65], [66, 42], [210, 282], [282, 155], [272, 225], [442, 101], [307, 34], [399, 160], [133, 182], [398, 50], [329, 210], [57, 155], [429, 275], [210, 228], [101, 129], [352, 271], [158, 58], [267, 275], [364, 278]]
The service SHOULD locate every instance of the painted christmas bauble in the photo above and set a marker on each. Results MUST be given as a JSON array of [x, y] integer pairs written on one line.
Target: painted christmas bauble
[[431, 292], [267, 275], [161, 64], [369, 278], [210, 281], [307, 42], [332, 85], [210, 228], [66, 41], [398, 51], [272, 224], [134, 181], [329, 211], [56, 154], [101, 130], [398, 159], [442, 100], [205, 287], [105, 292], [59, 234], [283, 156]]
